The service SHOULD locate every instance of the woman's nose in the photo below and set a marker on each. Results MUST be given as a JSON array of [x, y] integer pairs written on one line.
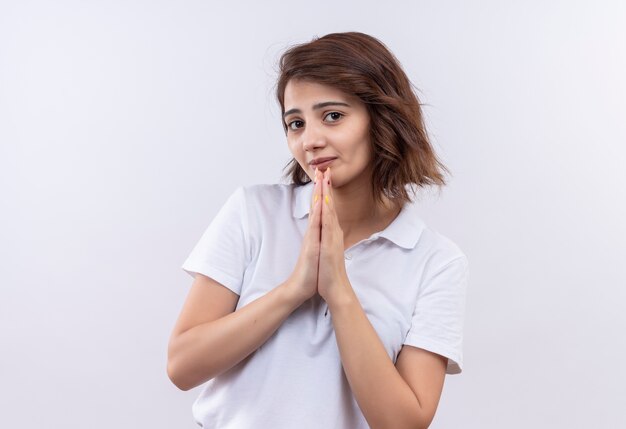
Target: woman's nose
[[312, 138]]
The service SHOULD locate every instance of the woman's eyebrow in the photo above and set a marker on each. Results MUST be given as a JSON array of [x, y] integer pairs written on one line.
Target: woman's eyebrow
[[317, 106]]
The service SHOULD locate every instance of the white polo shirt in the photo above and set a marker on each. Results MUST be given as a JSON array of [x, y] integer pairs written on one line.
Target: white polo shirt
[[410, 280]]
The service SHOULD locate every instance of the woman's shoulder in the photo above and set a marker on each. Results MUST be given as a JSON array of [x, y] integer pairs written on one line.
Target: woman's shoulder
[[440, 247], [431, 244], [273, 196], [264, 191], [267, 188]]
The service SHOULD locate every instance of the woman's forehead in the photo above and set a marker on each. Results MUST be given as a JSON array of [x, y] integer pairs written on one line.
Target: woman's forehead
[[297, 92]]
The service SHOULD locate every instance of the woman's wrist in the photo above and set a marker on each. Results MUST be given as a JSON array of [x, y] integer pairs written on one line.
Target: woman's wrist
[[291, 295]]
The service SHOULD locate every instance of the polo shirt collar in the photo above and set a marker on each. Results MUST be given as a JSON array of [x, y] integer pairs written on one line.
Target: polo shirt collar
[[404, 231]]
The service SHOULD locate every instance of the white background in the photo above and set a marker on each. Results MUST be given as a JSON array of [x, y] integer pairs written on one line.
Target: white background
[[125, 125]]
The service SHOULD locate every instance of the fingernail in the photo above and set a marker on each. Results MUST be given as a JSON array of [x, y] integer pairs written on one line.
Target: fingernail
[[326, 199]]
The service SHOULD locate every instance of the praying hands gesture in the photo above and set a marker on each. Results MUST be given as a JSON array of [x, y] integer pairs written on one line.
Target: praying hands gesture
[[320, 267]]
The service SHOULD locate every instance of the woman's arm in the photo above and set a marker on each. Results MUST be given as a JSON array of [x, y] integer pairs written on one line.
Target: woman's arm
[[198, 353], [210, 337], [403, 397], [389, 397]]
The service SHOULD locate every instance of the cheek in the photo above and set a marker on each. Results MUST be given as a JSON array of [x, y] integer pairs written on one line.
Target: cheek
[[295, 150], [299, 155], [356, 139], [361, 150]]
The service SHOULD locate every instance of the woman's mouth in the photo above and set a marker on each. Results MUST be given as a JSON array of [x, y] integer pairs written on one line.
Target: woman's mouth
[[323, 165]]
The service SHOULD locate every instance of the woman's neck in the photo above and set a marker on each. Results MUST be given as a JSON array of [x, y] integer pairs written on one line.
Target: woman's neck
[[357, 211]]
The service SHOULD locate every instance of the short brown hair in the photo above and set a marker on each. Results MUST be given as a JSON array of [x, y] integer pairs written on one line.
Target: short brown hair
[[361, 65]]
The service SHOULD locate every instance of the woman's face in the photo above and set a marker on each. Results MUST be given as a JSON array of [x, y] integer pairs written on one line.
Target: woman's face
[[322, 122]]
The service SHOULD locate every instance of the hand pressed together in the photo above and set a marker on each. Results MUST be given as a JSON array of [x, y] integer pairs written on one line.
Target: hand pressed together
[[332, 281], [320, 267]]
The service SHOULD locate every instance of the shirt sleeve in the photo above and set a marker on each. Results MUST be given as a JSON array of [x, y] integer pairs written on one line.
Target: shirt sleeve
[[437, 321], [222, 251]]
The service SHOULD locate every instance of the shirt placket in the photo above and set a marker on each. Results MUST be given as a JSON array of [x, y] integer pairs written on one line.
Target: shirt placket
[[348, 256]]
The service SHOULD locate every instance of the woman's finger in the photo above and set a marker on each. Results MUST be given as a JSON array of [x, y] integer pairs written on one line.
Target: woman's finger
[[332, 233], [327, 193], [316, 204], [316, 194]]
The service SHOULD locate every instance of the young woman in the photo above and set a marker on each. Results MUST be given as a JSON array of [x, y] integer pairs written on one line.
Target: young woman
[[327, 302]]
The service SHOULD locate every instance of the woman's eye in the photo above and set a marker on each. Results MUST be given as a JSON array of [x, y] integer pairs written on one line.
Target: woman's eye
[[339, 115], [336, 117], [289, 125]]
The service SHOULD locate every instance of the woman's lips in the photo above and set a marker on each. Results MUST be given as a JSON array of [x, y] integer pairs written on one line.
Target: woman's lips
[[323, 165]]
